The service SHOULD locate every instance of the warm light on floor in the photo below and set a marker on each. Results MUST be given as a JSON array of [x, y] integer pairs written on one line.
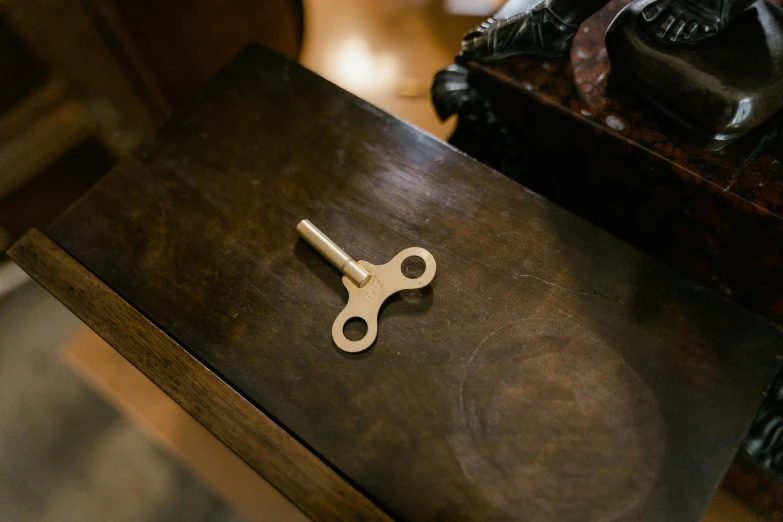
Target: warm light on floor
[[386, 51]]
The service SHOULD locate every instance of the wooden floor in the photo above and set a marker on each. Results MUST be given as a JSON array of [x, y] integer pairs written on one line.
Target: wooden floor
[[388, 51], [67, 455]]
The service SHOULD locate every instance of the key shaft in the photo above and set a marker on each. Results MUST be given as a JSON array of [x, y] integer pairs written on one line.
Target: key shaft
[[333, 253]]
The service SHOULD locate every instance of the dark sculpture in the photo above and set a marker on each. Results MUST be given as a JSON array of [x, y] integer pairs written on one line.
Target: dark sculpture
[[714, 65], [546, 28], [763, 446]]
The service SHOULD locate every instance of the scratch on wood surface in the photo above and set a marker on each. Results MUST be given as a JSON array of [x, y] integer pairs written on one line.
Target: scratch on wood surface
[[473, 355], [593, 293]]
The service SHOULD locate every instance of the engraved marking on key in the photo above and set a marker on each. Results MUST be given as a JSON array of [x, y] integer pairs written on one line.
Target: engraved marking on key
[[366, 294]]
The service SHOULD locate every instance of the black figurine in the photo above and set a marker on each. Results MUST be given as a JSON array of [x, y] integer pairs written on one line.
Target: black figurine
[[714, 65], [546, 28]]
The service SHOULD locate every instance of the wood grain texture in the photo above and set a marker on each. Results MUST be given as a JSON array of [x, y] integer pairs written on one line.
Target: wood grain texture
[[550, 372], [296, 472], [161, 419]]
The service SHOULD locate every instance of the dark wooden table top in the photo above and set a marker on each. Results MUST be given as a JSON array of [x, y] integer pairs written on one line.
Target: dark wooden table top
[[551, 372]]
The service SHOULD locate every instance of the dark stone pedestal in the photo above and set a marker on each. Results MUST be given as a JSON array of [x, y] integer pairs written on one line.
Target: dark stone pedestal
[[609, 155]]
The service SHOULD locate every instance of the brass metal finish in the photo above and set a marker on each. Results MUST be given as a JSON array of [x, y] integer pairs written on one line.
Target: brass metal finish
[[368, 285], [365, 303], [334, 254]]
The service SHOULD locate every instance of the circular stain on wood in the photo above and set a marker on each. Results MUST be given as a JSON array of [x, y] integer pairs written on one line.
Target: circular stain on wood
[[554, 425]]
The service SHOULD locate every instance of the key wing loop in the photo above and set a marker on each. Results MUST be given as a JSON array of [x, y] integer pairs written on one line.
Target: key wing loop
[[365, 302]]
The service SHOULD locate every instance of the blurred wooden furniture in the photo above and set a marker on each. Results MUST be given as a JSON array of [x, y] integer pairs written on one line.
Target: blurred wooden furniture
[[551, 372], [41, 126], [92, 78], [183, 43]]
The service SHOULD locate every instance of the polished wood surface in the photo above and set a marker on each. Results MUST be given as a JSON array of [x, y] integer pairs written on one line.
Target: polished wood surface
[[551, 372], [296, 472]]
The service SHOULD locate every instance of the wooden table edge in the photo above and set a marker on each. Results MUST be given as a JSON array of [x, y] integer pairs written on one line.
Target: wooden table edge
[[314, 487]]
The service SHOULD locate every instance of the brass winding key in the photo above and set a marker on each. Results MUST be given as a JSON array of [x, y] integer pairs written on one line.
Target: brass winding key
[[368, 285]]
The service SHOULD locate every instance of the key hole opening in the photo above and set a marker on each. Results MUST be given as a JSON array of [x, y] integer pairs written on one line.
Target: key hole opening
[[355, 329], [413, 267]]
